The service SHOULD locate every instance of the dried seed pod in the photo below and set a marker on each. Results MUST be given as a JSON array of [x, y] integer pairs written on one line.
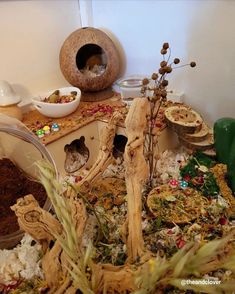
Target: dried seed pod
[[165, 46], [157, 92], [176, 60], [192, 64], [162, 70], [163, 63], [163, 93], [168, 69], [145, 81], [154, 76], [164, 83], [163, 51]]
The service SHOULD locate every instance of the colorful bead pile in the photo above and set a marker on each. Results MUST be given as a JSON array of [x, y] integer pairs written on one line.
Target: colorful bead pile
[[46, 130], [173, 183]]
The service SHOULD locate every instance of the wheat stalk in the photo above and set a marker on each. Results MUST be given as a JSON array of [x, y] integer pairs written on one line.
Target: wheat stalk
[[77, 259], [188, 262]]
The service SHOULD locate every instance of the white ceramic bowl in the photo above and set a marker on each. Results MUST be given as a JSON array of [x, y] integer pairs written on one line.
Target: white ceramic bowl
[[7, 94], [56, 110]]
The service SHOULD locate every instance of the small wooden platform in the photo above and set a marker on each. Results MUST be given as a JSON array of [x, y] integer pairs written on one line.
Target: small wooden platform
[[85, 113]]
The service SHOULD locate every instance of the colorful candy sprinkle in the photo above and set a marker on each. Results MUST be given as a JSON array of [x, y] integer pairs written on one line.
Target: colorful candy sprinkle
[[40, 133], [183, 184], [47, 130], [55, 127], [173, 183], [187, 178]]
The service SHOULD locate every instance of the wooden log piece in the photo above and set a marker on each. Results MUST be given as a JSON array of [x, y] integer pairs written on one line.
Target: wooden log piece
[[198, 136], [182, 119]]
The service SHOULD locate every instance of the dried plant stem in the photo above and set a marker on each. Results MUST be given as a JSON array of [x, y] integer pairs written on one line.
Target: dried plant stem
[[169, 56], [151, 144]]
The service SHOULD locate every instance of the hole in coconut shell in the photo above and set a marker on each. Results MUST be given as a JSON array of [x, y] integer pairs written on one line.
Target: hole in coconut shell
[[91, 60]]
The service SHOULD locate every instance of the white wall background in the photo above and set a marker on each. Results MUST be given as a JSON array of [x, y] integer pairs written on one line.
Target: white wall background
[[32, 33], [202, 31]]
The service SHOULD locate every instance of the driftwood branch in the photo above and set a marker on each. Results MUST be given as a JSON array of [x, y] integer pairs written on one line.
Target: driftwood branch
[[105, 155], [113, 279], [35, 221], [136, 175], [43, 227]]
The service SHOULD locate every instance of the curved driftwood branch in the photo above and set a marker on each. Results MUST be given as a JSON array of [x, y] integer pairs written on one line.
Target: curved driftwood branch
[[35, 221], [113, 279], [105, 155], [43, 227]]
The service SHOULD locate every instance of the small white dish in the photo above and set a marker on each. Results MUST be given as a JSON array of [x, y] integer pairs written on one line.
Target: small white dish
[[57, 110], [7, 94]]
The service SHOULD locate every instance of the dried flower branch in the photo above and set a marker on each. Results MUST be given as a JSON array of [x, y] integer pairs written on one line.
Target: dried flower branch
[[155, 89]]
